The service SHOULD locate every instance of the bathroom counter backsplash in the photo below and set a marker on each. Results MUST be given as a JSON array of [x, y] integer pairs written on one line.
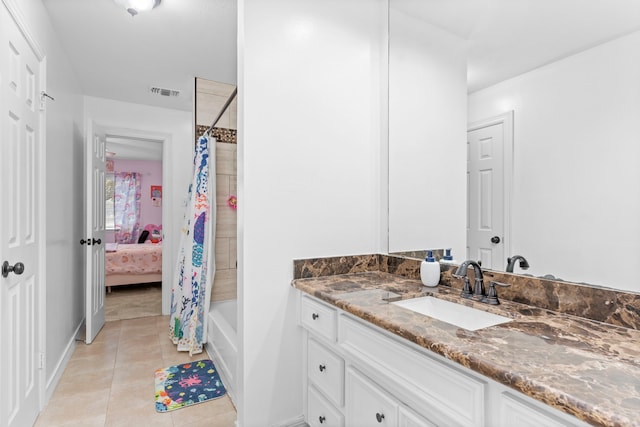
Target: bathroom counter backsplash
[[605, 305], [552, 351]]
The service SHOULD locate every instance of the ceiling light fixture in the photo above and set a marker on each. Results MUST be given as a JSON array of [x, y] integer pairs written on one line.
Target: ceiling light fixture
[[136, 6]]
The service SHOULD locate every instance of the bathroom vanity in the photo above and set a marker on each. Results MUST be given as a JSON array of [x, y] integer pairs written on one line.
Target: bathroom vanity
[[369, 361]]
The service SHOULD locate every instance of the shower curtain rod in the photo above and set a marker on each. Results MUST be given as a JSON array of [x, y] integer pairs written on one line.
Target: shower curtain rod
[[224, 108]]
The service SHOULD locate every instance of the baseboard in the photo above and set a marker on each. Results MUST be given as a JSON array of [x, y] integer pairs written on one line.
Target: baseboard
[[54, 379]]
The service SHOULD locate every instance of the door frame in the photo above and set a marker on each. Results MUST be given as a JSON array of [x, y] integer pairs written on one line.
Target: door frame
[[506, 119], [111, 130], [16, 14]]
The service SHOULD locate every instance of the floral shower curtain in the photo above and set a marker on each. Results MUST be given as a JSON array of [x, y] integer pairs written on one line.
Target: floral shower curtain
[[195, 267], [127, 196]]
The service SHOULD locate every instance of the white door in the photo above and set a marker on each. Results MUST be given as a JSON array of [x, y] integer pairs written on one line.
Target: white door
[[20, 291], [94, 231], [485, 196]]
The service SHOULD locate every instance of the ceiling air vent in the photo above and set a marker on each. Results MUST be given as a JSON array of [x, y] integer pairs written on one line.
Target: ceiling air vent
[[165, 92]]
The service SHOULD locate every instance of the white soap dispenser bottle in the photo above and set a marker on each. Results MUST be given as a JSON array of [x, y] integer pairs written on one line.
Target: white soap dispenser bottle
[[430, 270]]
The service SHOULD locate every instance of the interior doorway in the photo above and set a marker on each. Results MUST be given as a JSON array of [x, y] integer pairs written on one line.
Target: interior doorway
[[134, 258]]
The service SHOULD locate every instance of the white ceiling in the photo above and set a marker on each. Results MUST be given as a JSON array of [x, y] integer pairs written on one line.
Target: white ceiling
[[118, 56], [506, 38]]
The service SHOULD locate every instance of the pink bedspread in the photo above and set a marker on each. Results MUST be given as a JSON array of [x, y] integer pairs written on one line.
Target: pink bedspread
[[135, 259]]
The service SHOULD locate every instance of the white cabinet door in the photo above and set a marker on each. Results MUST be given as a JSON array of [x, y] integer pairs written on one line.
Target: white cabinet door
[[366, 404], [516, 412], [408, 418]]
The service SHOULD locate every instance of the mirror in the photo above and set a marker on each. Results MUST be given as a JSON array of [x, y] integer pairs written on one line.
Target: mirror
[[567, 74]]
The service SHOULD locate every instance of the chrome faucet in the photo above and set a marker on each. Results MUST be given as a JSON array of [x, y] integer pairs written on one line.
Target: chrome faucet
[[478, 294], [511, 262]]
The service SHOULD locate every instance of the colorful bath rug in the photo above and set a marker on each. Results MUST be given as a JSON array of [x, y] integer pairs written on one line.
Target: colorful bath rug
[[186, 384]]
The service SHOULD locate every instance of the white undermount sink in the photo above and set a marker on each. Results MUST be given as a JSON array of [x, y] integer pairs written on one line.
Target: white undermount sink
[[462, 316]]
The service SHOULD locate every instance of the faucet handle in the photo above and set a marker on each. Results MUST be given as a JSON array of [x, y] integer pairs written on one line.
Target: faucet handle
[[492, 294], [466, 289]]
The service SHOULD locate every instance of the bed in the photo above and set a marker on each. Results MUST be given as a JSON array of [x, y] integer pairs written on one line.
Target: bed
[[128, 264]]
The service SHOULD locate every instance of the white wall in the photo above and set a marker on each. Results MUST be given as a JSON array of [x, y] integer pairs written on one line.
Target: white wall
[[64, 205], [177, 127], [576, 206], [427, 138], [309, 162]]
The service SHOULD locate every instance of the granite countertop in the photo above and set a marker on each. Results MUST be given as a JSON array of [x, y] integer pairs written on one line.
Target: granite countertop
[[583, 367]]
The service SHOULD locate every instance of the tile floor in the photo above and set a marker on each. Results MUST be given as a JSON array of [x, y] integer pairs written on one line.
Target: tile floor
[[133, 301], [110, 382]]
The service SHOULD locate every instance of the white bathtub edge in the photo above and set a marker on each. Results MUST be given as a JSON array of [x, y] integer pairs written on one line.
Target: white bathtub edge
[[221, 348]]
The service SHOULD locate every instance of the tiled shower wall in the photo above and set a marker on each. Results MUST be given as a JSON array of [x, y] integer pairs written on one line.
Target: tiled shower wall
[[210, 97], [224, 285]]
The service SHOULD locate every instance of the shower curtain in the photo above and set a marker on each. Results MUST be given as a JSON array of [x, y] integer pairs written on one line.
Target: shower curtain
[[127, 196], [195, 266]]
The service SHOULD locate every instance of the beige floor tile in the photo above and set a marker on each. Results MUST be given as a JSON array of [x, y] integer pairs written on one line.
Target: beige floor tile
[[217, 420], [176, 358], [133, 301], [140, 420], [109, 332], [132, 398], [137, 353], [205, 412], [64, 409], [136, 372], [111, 382], [83, 365], [102, 348], [71, 384], [94, 421]]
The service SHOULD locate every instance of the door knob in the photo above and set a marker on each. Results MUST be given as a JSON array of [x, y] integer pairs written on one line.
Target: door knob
[[82, 241], [97, 242], [495, 239], [7, 268]]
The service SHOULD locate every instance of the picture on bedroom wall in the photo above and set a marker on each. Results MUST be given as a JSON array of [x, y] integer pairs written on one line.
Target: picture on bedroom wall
[[156, 195]]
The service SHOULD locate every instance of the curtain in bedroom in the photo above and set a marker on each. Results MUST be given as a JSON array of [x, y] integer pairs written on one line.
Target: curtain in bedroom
[[195, 266], [127, 194]]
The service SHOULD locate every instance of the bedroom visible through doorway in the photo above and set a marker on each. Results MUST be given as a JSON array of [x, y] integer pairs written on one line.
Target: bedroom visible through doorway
[[134, 222]]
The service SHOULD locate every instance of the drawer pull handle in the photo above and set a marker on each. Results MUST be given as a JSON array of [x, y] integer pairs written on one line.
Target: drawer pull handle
[[314, 316], [322, 367], [321, 419], [379, 417]]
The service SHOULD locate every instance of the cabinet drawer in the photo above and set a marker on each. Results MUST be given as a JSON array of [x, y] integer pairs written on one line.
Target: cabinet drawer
[[442, 392], [326, 371], [367, 405], [318, 318], [320, 412]]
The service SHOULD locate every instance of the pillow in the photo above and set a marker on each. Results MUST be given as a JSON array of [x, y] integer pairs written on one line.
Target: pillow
[[155, 232]]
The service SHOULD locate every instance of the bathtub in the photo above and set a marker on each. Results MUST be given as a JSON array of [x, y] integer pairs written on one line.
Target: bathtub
[[222, 341]]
